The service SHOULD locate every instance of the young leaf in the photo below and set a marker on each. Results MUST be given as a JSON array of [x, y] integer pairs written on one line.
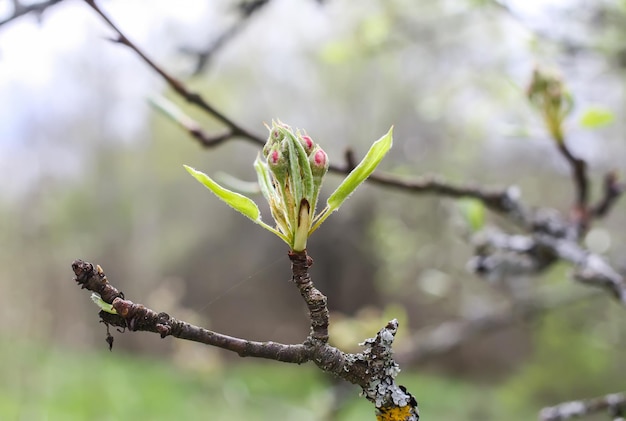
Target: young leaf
[[595, 117], [376, 153], [294, 170], [473, 211], [263, 175], [102, 304], [273, 199], [237, 201]]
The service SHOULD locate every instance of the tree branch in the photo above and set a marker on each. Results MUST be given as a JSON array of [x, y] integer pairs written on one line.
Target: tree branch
[[614, 404], [190, 96], [580, 213], [501, 201], [374, 369], [314, 299], [611, 193], [502, 255]]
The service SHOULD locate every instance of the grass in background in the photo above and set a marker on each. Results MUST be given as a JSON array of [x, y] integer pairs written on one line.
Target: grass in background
[[49, 384]]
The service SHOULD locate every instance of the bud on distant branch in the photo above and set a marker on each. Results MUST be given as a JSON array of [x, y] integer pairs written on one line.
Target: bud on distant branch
[[290, 178], [548, 94]]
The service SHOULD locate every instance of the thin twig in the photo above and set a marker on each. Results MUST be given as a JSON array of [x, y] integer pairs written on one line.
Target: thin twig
[[611, 193], [246, 9], [21, 10], [190, 96], [581, 184]]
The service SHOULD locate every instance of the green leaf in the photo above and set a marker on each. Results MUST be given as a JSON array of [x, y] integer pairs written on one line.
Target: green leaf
[[376, 153], [102, 304], [263, 175], [265, 183], [596, 116], [473, 211], [358, 175], [237, 201], [240, 203]]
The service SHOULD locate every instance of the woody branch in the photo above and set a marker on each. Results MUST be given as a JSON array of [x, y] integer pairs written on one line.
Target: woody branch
[[373, 369]]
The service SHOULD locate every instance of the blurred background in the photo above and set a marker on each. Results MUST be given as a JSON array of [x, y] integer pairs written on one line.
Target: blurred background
[[91, 171]]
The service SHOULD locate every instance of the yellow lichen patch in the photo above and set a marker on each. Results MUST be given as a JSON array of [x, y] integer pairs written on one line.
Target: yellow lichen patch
[[395, 413]]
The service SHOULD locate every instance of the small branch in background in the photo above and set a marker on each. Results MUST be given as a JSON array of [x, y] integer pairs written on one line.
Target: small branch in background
[[612, 190], [590, 268], [580, 212], [374, 369], [190, 126], [500, 255], [246, 10], [579, 175], [614, 404], [20, 9], [190, 96], [547, 92], [350, 159], [501, 201]]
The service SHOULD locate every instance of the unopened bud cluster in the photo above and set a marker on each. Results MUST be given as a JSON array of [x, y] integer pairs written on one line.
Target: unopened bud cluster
[[297, 166], [290, 175]]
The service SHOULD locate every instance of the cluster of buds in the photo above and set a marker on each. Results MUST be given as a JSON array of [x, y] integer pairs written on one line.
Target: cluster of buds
[[547, 92], [290, 180]]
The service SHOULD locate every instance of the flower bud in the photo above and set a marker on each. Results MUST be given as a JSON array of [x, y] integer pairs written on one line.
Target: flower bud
[[307, 143], [319, 162], [277, 135], [277, 164]]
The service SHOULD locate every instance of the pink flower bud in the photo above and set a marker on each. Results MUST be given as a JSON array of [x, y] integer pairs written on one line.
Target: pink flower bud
[[320, 158], [277, 164], [307, 143], [273, 157], [277, 135], [319, 163]]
